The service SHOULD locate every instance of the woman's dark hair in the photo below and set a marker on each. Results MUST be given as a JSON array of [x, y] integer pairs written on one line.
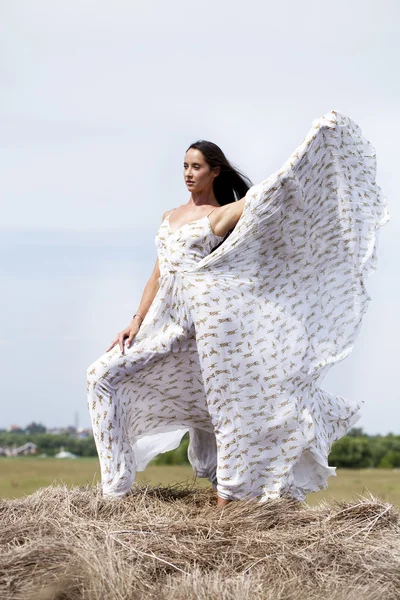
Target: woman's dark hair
[[230, 185]]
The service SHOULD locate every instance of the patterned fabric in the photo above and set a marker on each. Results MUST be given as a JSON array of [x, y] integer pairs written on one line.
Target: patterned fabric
[[237, 341]]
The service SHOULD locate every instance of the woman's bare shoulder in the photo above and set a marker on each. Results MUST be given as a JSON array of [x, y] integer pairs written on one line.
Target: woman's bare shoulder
[[167, 212], [165, 215]]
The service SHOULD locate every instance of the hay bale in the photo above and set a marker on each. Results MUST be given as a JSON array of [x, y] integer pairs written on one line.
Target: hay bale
[[169, 543]]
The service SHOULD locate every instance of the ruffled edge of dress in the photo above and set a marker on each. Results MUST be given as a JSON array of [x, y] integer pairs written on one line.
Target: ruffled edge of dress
[[311, 471], [152, 444], [334, 120], [367, 152]]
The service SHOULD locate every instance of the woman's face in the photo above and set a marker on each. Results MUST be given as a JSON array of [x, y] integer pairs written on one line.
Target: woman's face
[[196, 172]]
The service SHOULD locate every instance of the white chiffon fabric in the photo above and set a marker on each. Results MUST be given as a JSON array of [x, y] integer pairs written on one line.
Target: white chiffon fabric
[[237, 341]]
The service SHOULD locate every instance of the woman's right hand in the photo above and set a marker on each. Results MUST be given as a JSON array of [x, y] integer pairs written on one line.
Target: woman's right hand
[[129, 332]]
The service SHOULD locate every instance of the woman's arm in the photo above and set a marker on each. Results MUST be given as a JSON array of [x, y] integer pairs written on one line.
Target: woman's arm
[[149, 293], [224, 218], [150, 290]]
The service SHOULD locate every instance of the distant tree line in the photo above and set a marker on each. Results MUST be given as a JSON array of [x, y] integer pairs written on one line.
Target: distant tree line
[[356, 450], [49, 443], [35, 428]]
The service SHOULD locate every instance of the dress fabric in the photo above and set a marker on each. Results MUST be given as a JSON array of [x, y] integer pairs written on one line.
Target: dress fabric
[[237, 340]]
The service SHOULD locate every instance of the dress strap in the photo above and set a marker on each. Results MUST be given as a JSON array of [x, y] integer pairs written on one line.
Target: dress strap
[[211, 212]]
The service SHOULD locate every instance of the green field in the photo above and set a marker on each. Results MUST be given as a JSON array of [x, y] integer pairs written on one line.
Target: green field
[[21, 476]]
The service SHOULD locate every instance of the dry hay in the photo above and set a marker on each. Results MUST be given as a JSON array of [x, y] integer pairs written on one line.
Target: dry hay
[[169, 543]]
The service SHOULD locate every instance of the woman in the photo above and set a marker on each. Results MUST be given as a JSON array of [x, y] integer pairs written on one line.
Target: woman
[[255, 294]]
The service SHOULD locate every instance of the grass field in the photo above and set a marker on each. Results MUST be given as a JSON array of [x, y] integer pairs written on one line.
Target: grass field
[[22, 476]]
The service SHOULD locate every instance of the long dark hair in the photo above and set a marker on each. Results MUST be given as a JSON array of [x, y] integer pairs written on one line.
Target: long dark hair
[[230, 185]]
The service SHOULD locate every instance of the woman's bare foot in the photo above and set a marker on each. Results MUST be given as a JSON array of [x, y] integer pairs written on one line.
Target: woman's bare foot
[[221, 502]]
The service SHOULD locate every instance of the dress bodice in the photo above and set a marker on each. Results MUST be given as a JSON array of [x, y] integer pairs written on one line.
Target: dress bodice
[[181, 249]]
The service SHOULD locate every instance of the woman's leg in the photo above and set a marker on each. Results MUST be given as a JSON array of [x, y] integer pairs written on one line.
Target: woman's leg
[[155, 386], [202, 453], [108, 415]]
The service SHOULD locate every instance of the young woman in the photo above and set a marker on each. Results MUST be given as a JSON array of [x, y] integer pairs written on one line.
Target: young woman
[[255, 294]]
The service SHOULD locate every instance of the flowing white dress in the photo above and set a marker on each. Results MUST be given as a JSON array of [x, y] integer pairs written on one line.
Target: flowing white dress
[[237, 341]]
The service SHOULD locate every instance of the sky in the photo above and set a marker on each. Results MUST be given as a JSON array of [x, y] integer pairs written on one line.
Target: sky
[[98, 104]]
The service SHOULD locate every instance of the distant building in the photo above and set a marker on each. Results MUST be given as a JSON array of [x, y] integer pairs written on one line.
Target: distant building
[[84, 433], [25, 450]]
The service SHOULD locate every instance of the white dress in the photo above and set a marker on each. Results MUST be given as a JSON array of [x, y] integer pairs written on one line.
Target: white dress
[[237, 341]]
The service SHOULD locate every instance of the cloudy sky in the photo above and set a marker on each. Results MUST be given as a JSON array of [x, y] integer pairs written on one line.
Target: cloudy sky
[[98, 104]]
